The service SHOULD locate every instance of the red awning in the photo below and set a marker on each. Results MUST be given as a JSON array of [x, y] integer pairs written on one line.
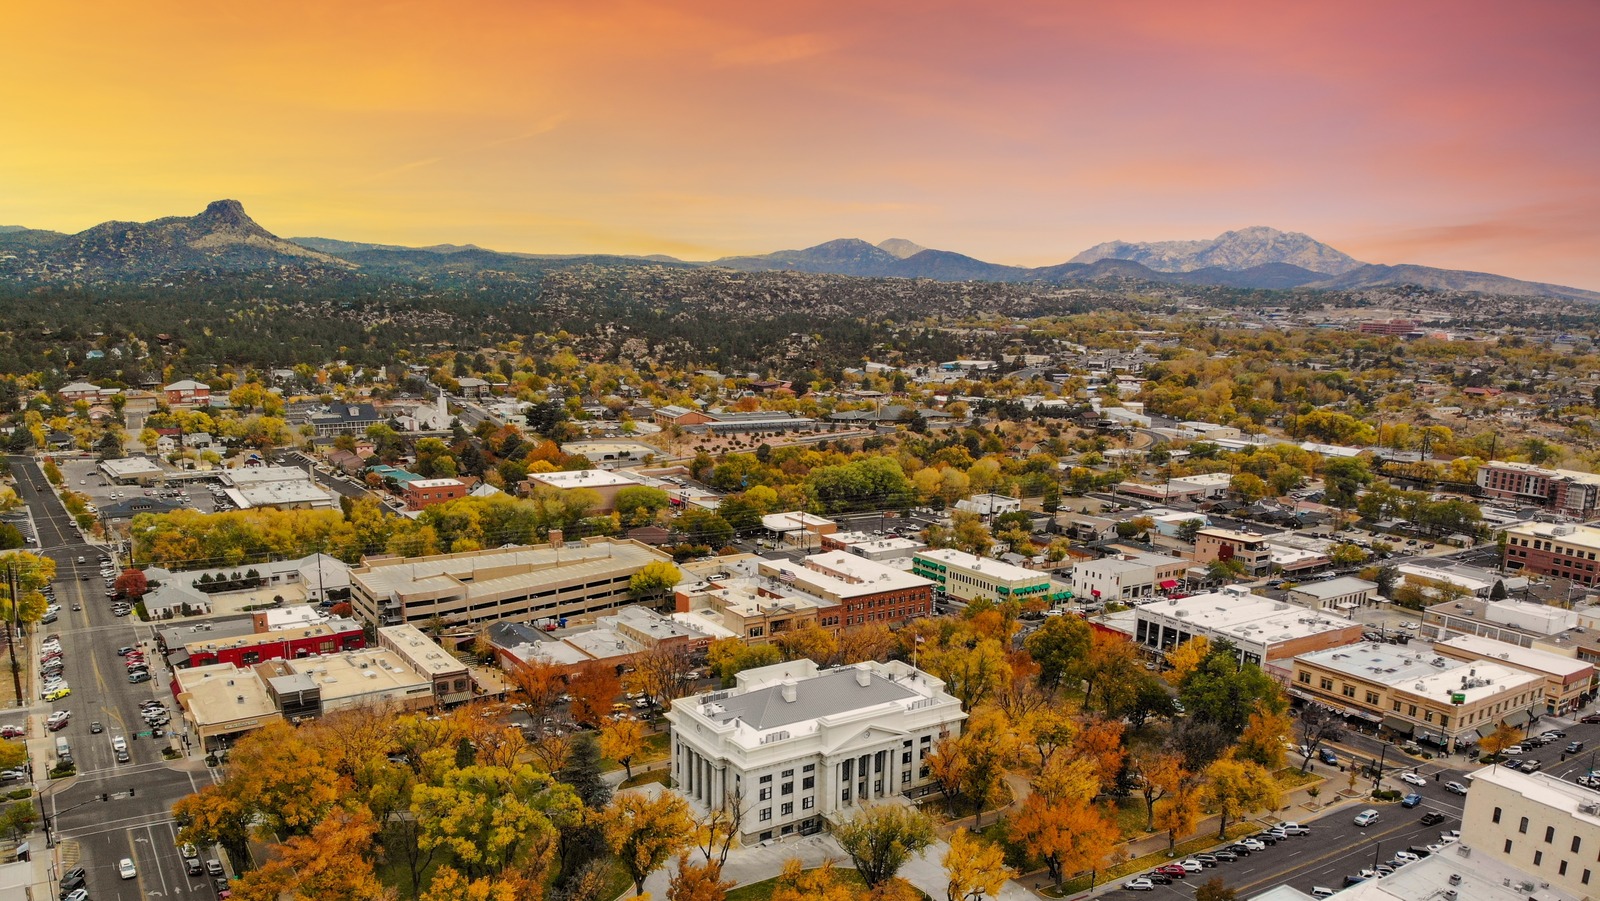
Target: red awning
[[1095, 592], [1169, 583]]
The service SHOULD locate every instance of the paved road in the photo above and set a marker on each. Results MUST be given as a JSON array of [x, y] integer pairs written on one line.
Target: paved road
[[134, 820]]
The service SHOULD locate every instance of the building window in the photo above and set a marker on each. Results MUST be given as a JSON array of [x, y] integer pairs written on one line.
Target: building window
[[788, 774], [766, 795], [1522, 827], [1549, 834], [1349, 691], [1372, 697], [1326, 683], [807, 803], [809, 768], [766, 814], [1396, 706], [1305, 678], [844, 795], [788, 788], [905, 757], [767, 779], [1538, 858], [1585, 879], [1508, 846], [905, 776], [787, 809], [1576, 843], [808, 783], [1496, 817], [1561, 869]]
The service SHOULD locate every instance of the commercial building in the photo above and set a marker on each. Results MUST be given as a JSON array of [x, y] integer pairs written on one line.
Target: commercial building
[[1419, 694], [1127, 577], [1564, 491], [221, 702], [1262, 629], [188, 393], [1341, 595], [1568, 682], [341, 419], [989, 504], [512, 583], [799, 528], [1253, 551], [1203, 487], [131, 471], [873, 547], [603, 483], [246, 642], [966, 577], [452, 684], [1541, 627], [793, 746], [1542, 825], [427, 492], [283, 487], [864, 591], [1547, 549]]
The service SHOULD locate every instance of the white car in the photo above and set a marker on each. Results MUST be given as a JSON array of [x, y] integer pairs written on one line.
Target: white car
[[1450, 837], [1140, 884], [126, 869], [1366, 817], [1406, 857], [1191, 865], [1254, 844], [1413, 779], [1512, 751]]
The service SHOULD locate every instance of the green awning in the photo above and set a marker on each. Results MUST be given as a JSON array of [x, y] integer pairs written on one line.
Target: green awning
[[1396, 724]]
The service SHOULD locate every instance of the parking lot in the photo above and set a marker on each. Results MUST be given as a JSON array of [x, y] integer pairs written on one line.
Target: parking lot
[[82, 476]]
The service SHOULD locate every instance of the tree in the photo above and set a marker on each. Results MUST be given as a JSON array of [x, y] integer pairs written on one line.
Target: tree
[[644, 832], [1263, 738], [1189, 529], [975, 868], [653, 580], [594, 688], [971, 670], [622, 740], [824, 883], [717, 830], [1316, 724], [871, 641], [1184, 659], [215, 815], [1179, 815], [1237, 787], [1059, 647], [880, 838], [1161, 774], [730, 656], [333, 862], [489, 818], [10, 537], [1347, 555], [1067, 837], [18, 819], [809, 642], [972, 765], [1224, 691], [662, 673], [638, 505], [132, 584], [1214, 889], [698, 881], [540, 682], [448, 884], [1493, 744]]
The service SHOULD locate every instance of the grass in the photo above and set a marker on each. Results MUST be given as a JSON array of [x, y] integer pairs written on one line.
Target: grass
[[1140, 864], [1132, 817], [662, 776], [762, 891], [655, 748], [1290, 778]]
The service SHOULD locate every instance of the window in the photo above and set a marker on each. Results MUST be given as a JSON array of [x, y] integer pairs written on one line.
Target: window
[[1538, 858], [767, 779], [788, 788], [787, 809], [1576, 842], [1562, 868], [905, 757], [808, 783], [1349, 691], [1326, 683], [1549, 834], [1508, 846], [845, 796], [1496, 817], [766, 795], [1396, 706], [1372, 697], [1305, 677], [766, 814], [788, 774], [809, 768], [905, 776], [1585, 879], [1522, 827], [807, 803]]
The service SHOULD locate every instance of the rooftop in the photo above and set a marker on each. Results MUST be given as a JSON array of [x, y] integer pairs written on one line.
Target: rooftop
[[1482, 878], [222, 693], [1566, 533], [126, 467], [1385, 663], [1245, 617], [996, 569], [1333, 588], [1517, 656], [842, 574], [354, 673], [582, 478], [1476, 681], [826, 694], [502, 568], [423, 653]]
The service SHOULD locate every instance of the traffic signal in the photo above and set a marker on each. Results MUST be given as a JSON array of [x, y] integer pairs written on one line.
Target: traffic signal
[[104, 796], [132, 792]]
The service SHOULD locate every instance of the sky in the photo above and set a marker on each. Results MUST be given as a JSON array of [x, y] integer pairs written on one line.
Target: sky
[[1459, 134]]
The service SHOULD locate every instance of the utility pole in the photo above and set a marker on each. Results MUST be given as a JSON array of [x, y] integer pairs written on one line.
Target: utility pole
[[1378, 776]]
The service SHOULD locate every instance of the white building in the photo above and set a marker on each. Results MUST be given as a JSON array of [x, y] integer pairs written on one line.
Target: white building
[[1123, 577], [793, 746], [990, 504], [1538, 823], [1262, 629], [283, 487], [1340, 595]]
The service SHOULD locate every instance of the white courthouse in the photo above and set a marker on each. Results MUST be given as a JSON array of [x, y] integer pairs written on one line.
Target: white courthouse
[[792, 745]]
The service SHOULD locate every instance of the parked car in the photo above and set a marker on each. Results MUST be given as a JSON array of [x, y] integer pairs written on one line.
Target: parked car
[[1226, 855], [1191, 865], [1206, 860], [214, 867], [1141, 884], [1512, 751], [1158, 878], [1175, 870], [1266, 838], [1328, 757]]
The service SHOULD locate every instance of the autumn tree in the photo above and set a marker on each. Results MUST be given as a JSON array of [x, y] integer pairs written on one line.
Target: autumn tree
[[449, 884], [1067, 837], [972, 765], [215, 815], [716, 832], [1111, 672], [594, 689], [698, 881], [332, 863], [974, 868], [1264, 736], [491, 818], [880, 838], [1160, 774], [1214, 889], [1236, 787], [541, 682], [972, 670], [662, 673], [809, 642], [728, 657], [1316, 724], [1225, 691], [622, 740], [1099, 741], [653, 580], [131, 583], [1184, 659], [1180, 814], [823, 883], [1495, 743], [871, 641], [644, 832]]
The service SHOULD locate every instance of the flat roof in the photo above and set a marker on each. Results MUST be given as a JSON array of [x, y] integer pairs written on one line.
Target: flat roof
[[844, 574], [423, 653], [1585, 536], [1477, 680], [1246, 617], [1205, 479], [435, 483], [1518, 656], [1332, 588], [223, 693], [516, 567], [352, 673], [999, 569], [1385, 663], [582, 478], [129, 466], [792, 521], [251, 475], [1482, 877]]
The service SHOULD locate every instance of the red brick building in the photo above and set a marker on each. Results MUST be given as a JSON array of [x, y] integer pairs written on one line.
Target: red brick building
[[427, 492]]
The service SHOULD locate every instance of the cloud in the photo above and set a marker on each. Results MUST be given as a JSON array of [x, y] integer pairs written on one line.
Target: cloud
[[774, 51]]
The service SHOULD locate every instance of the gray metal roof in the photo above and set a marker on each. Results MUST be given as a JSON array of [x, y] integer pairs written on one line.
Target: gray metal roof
[[832, 692]]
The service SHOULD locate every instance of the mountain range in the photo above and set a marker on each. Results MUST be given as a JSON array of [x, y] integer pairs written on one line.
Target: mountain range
[[223, 238]]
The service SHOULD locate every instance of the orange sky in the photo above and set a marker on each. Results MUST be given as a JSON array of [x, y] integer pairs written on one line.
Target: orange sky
[[1456, 134]]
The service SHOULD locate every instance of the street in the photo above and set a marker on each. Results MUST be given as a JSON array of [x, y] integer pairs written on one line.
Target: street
[[134, 820]]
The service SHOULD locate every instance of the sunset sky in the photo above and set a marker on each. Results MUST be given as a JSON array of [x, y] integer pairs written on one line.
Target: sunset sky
[[1456, 134]]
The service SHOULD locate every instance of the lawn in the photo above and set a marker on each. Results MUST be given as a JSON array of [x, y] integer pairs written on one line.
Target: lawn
[[762, 891], [662, 776], [655, 748]]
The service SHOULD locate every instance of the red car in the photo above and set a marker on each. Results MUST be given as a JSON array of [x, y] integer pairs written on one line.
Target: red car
[[10, 731], [1176, 871]]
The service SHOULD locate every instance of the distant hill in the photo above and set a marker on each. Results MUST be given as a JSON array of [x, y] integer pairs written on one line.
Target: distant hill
[[900, 247], [1234, 251], [222, 236], [1372, 276]]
